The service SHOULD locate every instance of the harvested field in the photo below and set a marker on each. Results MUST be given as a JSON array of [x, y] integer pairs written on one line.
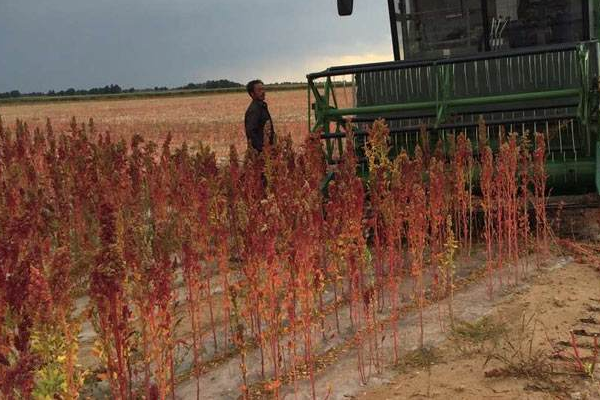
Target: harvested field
[[216, 120]]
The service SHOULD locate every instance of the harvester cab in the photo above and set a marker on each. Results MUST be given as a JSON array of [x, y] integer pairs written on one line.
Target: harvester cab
[[518, 65]]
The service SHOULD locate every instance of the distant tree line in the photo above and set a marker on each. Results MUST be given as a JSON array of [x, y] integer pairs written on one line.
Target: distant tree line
[[116, 89], [108, 89], [220, 84], [7, 95]]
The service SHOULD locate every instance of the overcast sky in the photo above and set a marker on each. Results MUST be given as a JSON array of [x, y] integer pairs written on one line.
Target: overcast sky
[[57, 44]]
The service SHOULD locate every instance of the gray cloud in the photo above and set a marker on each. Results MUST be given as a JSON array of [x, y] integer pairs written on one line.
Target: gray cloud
[[55, 44]]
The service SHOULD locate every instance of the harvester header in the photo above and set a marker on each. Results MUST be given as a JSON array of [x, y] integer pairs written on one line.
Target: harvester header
[[518, 65]]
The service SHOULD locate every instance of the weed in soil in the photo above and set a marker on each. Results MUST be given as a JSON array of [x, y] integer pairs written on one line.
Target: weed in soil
[[517, 354], [474, 337], [421, 358]]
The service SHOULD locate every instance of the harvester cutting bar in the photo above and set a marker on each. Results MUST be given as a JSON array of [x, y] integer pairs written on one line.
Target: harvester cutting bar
[[552, 90], [559, 130], [569, 168]]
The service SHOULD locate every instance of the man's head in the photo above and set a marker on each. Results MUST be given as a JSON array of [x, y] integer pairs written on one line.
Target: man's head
[[256, 90]]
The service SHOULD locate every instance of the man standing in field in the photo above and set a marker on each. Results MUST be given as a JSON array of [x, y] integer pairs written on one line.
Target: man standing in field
[[258, 119]]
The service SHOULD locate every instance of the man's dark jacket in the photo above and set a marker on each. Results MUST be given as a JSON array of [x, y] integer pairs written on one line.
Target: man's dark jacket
[[257, 116]]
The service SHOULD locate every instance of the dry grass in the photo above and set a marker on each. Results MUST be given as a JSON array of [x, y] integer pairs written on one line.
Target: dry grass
[[472, 337], [517, 355]]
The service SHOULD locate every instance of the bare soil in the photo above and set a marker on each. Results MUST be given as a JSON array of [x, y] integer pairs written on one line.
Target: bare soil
[[553, 303]]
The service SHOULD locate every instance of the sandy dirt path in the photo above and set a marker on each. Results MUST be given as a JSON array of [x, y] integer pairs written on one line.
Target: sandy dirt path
[[556, 301]]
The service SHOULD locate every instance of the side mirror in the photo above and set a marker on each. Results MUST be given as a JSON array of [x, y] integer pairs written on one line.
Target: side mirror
[[345, 7]]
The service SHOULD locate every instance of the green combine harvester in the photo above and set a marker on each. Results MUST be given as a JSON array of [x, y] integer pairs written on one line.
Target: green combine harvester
[[520, 65]]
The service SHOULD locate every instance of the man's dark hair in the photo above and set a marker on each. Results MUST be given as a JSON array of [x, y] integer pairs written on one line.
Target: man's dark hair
[[250, 85]]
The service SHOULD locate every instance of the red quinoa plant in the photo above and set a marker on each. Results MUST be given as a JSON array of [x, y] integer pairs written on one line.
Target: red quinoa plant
[[107, 290], [539, 196], [262, 255]]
